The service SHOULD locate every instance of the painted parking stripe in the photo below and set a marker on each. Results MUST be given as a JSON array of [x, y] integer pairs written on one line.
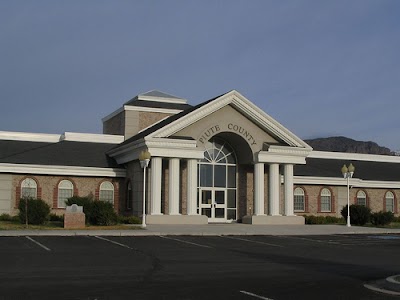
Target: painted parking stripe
[[186, 242], [37, 243], [315, 240], [255, 295], [113, 242], [251, 241]]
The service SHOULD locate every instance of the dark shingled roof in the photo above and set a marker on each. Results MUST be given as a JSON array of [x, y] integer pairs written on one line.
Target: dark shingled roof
[[366, 170], [64, 153]]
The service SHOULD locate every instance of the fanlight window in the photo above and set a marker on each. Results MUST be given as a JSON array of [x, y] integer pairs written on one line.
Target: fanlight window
[[28, 188], [107, 192], [326, 200], [65, 191], [389, 201], [299, 199], [361, 198]]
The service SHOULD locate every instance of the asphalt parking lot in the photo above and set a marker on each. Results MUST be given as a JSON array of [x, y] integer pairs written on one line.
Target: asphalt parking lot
[[193, 267]]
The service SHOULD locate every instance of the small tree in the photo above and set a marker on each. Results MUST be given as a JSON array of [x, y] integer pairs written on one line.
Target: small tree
[[359, 214], [382, 218], [33, 211]]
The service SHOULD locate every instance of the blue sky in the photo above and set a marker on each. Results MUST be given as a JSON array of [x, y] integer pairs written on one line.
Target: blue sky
[[321, 68]]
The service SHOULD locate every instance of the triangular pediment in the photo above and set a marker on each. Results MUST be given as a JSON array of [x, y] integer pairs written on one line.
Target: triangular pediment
[[228, 113]]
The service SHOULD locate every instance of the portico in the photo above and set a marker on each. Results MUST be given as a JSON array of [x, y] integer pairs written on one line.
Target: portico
[[198, 159]]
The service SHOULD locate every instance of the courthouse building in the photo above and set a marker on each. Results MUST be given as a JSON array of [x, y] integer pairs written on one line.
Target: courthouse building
[[224, 160]]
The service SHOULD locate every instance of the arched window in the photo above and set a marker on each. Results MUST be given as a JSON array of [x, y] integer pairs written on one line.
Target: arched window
[[361, 198], [326, 200], [65, 191], [28, 188], [389, 202], [217, 181], [299, 200], [107, 192]]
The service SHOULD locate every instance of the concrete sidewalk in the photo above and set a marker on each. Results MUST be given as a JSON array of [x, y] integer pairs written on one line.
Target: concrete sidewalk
[[211, 230]]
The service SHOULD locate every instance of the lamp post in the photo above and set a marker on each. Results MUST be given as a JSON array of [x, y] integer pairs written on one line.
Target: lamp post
[[144, 158], [347, 174]]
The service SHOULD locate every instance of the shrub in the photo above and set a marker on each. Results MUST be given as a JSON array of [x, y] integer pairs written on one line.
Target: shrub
[[382, 218], [96, 212], [103, 214], [359, 214], [56, 218], [5, 217], [129, 220], [310, 219], [38, 211]]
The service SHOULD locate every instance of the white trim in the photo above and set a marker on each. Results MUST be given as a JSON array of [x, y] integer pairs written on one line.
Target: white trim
[[61, 170], [30, 137], [152, 109], [354, 156], [92, 138], [238, 101], [176, 100], [354, 182]]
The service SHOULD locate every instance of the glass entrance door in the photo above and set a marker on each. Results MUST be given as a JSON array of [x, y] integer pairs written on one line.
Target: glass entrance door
[[213, 204]]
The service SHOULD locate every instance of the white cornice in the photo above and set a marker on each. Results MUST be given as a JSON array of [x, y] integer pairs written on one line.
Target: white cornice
[[354, 182], [354, 156], [29, 137], [92, 138], [61, 170], [162, 99], [152, 109], [267, 157]]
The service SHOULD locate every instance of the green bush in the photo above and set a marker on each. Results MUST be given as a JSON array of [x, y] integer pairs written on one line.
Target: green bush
[[96, 212], [310, 219], [38, 211], [56, 218], [103, 214], [129, 220], [359, 214], [382, 218], [5, 217]]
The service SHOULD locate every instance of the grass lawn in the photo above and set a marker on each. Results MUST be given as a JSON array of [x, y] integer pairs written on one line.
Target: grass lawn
[[59, 225]]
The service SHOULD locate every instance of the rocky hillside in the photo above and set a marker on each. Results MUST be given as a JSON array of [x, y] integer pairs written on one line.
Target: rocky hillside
[[343, 144]]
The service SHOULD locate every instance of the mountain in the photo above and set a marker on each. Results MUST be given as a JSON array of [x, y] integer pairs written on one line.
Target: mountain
[[344, 144]]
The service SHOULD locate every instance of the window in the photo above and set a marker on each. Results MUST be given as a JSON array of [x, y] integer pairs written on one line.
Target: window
[[299, 199], [28, 188], [65, 191], [326, 200], [217, 178], [107, 192], [389, 202], [361, 198]]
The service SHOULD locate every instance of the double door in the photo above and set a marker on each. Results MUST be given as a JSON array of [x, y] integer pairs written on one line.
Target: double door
[[213, 204]]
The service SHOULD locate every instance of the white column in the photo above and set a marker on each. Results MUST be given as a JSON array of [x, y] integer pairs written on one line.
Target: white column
[[288, 179], [258, 189], [173, 186], [191, 198], [274, 184], [156, 168]]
